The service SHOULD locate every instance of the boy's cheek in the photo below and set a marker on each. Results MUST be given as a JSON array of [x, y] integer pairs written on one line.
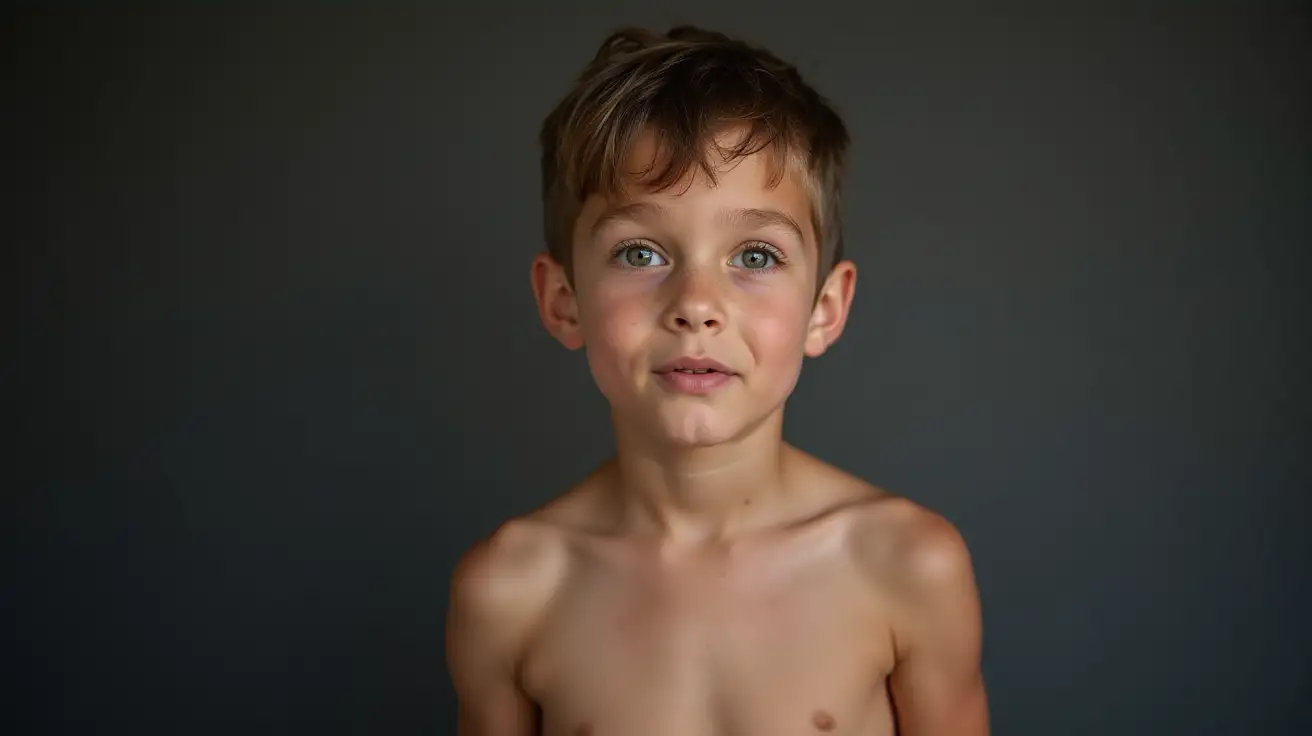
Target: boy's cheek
[[774, 327], [614, 363], [615, 337], [614, 317]]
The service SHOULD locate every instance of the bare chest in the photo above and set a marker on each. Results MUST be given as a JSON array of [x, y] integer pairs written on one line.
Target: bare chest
[[713, 651]]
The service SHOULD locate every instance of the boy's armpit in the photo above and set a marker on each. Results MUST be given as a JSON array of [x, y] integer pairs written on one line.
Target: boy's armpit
[[498, 591]]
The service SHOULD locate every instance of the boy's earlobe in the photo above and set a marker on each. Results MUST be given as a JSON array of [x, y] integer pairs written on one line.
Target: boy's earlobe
[[832, 304], [556, 303]]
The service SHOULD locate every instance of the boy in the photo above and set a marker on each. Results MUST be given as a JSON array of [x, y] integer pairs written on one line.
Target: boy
[[710, 579]]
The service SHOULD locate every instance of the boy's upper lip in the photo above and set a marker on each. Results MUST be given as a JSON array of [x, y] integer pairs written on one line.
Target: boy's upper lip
[[693, 364]]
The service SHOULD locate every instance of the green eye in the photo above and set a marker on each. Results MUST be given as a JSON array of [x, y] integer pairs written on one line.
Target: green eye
[[642, 257], [755, 259]]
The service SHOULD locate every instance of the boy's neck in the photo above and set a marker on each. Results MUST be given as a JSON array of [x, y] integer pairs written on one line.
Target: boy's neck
[[703, 494]]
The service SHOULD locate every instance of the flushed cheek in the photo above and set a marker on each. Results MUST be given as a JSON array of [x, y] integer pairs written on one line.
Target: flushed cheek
[[615, 333], [776, 337]]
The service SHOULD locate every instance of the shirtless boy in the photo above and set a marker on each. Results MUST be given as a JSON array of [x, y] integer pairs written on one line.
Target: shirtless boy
[[710, 580]]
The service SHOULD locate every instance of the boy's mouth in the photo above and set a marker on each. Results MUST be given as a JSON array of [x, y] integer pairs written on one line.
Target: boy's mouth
[[695, 376], [694, 366]]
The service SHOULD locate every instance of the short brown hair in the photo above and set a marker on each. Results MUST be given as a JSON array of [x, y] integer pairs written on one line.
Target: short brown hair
[[686, 86]]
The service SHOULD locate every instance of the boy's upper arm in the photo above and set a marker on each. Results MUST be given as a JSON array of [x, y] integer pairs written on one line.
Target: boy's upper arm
[[491, 611], [936, 683]]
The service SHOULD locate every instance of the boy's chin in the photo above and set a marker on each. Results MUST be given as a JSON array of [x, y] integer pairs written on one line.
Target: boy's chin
[[694, 427], [682, 438]]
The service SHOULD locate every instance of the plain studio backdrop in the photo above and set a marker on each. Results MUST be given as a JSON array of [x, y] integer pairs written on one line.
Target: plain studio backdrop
[[278, 364]]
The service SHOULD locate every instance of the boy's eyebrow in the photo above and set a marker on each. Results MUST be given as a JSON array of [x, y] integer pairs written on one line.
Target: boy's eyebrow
[[628, 212], [749, 217], [755, 218]]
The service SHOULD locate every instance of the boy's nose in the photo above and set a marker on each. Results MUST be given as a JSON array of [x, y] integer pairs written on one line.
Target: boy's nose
[[679, 323], [695, 308]]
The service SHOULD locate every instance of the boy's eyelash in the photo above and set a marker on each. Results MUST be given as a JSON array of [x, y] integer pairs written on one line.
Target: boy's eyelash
[[752, 245], [778, 254], [629, 244], [780, 259]]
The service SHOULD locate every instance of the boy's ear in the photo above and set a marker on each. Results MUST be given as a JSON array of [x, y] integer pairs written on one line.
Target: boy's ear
[[557, 305], [831, 307]]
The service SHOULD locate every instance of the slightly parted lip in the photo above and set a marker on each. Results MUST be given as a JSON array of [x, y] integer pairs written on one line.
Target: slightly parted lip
[[693, 364]]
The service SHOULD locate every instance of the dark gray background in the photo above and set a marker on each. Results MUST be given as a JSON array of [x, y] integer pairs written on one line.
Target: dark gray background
[[278, 364]]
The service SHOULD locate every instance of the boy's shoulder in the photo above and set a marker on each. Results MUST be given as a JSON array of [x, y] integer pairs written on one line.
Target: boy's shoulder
[[908, 546], [512, 572], [904, 548], [509, 568]]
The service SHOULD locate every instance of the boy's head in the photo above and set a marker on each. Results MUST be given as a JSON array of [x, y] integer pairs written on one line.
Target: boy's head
[[691, 205], [685, 87]]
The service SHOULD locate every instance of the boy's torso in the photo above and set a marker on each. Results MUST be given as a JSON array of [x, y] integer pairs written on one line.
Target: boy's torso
[[785, 632]]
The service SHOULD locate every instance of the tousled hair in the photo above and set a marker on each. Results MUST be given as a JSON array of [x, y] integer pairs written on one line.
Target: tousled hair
[[685, 86]]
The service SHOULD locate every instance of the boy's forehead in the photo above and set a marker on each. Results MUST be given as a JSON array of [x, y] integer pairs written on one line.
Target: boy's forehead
[[648, 155], [752, 181]]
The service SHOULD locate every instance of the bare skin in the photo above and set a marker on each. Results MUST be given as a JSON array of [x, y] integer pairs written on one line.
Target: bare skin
[[821, 616], [711, 580]]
